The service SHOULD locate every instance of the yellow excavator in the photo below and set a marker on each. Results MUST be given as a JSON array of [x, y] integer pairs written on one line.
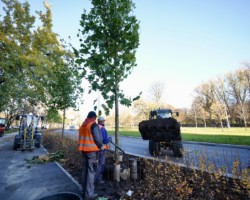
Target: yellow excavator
[[28, 136]]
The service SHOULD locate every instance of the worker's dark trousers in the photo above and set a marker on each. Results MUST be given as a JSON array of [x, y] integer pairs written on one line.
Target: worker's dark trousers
[[89, 167], [101, 165]]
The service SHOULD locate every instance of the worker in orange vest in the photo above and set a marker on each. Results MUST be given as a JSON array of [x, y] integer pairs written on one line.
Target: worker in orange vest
[[90, 142], [101, 154]]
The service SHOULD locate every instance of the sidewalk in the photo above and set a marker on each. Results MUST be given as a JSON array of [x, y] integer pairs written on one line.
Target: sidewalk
[[22, 181]]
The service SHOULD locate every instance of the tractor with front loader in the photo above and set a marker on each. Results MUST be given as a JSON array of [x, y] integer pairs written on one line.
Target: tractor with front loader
[[28, 136], [163, 132]]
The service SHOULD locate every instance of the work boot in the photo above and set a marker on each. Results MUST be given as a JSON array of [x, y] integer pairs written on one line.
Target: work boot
[[92, 197]]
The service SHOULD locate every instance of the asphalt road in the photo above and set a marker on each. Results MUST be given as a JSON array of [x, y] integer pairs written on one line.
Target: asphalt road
[[196, 155], [23, 181]]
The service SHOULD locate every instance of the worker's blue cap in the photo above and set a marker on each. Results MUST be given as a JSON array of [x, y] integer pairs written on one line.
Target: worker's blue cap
[[92, 114]]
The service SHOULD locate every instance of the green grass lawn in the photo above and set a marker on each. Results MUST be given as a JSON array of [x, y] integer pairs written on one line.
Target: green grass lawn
[[10, 131], [237, 136]]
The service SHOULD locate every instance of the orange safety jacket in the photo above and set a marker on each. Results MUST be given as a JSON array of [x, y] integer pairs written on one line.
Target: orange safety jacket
[[86, 141], [106, 146]]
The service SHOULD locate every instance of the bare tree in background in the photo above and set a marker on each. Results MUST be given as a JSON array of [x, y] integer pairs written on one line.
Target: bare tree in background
[[198, 111], [247, 75], [141, 109], [222, 96], [157, 91], [205, 92], [218, 112], [238, 89]]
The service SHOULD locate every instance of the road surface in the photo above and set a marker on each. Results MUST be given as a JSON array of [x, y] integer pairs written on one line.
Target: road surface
[[196, 155]]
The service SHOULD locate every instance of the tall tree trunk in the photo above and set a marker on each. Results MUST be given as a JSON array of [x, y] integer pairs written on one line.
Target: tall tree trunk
[[98, 104], [245, 123], [195, 117], [244, 116], [63, 122], [116, 123], [221, 124], [227, 118], [204, 120]]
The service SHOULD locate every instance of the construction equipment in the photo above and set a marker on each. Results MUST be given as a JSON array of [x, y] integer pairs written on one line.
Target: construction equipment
[[162, 131], [28, 136], [2, 126]]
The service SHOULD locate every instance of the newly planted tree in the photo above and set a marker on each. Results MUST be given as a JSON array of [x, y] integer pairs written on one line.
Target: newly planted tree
[[108, 41]]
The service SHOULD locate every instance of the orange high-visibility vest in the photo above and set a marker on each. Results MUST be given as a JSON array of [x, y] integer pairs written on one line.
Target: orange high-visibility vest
[[86, 140], [106, 146]]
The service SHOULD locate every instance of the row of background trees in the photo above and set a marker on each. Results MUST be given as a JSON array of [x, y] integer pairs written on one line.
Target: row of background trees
[[221, 102], [225, 100], [37, 73]]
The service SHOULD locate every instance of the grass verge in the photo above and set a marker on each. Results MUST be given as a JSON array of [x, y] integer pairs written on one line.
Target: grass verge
[[235, 136]]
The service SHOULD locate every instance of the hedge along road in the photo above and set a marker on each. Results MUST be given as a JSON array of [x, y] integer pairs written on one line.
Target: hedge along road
[[196, 154]]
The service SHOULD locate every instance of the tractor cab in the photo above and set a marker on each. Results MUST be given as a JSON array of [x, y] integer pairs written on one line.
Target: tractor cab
[[28, 121], [161, 114]]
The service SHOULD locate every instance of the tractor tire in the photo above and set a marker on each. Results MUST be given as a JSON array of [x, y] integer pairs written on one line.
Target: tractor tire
[[154, 148], [38, 144], [16, 146], [177, 147]]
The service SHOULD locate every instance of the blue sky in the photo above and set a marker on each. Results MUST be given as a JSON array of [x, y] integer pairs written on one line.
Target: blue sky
[[182, 43]]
